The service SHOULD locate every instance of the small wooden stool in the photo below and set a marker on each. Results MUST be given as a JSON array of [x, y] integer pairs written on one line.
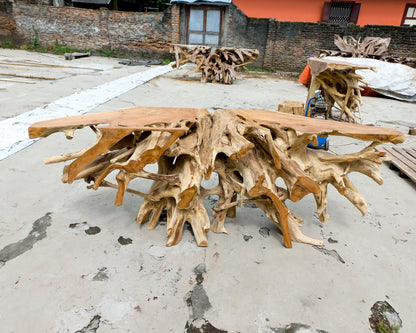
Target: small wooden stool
[[291, 107]]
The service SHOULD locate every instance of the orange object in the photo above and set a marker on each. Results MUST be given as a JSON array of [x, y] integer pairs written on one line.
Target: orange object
[[371, 12], [306, 76], [369, 92]]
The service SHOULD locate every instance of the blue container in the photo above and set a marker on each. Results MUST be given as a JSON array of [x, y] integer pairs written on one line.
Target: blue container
[[322, 142]]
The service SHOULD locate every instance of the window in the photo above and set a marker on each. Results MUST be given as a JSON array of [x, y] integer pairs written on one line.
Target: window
[[409, 16], [341, 12], [204, 25]]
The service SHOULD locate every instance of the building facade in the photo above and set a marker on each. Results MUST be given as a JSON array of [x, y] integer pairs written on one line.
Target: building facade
[[284, 45], [363, 12]]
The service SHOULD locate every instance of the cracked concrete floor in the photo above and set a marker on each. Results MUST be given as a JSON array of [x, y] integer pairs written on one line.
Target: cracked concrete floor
[[73, 262]]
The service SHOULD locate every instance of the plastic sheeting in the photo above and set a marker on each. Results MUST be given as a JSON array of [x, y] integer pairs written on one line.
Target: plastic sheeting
[[390, 79], [13, 131]]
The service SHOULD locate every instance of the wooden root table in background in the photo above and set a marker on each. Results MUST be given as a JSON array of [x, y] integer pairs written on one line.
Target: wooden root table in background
[[216, 65], [248, 149], [339, 85]]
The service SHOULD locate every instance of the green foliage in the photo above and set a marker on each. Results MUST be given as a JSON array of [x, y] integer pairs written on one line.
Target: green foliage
[[381, 328], [113, 53], [166, 62], [57, 48], [7, 44], [107, 53], [35, 41], [162, 4]]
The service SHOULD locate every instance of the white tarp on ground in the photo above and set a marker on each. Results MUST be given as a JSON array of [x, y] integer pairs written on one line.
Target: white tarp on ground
[[13, 131], [393, 80]]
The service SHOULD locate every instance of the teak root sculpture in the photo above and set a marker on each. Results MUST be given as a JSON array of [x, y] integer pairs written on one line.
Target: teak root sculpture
[[248, 149], [340, 86], [216, 65], [369, 47], [361, 49]]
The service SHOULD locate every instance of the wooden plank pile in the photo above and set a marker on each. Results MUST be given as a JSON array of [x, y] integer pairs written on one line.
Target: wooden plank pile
[[403, 159], [248, 150], [219, 64]]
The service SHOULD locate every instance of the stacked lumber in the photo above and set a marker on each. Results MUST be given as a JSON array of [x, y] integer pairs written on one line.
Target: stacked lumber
[[216, 65], [248, 150], [403, 159], [339, 84]]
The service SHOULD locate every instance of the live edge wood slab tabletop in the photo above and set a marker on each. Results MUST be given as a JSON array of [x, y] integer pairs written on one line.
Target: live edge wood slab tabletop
[[248, 150]]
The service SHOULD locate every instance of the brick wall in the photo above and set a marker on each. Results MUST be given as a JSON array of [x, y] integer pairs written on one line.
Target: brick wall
[[175, 19], [283, 46], [289, 43], [246, 32], [133, 32], [7, 23]]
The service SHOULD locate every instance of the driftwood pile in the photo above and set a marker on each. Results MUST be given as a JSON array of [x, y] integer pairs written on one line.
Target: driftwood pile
[[369, 47], [247, 149], [216, 65], [339, 84], [361, 49]]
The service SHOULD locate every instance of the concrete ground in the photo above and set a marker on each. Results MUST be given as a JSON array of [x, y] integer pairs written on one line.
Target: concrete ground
[[73, 262]]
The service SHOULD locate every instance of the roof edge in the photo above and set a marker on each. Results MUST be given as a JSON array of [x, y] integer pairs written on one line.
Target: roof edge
[[203, 2]]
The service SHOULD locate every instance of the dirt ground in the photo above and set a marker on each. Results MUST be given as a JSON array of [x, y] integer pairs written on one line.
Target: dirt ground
[[70, 261]]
